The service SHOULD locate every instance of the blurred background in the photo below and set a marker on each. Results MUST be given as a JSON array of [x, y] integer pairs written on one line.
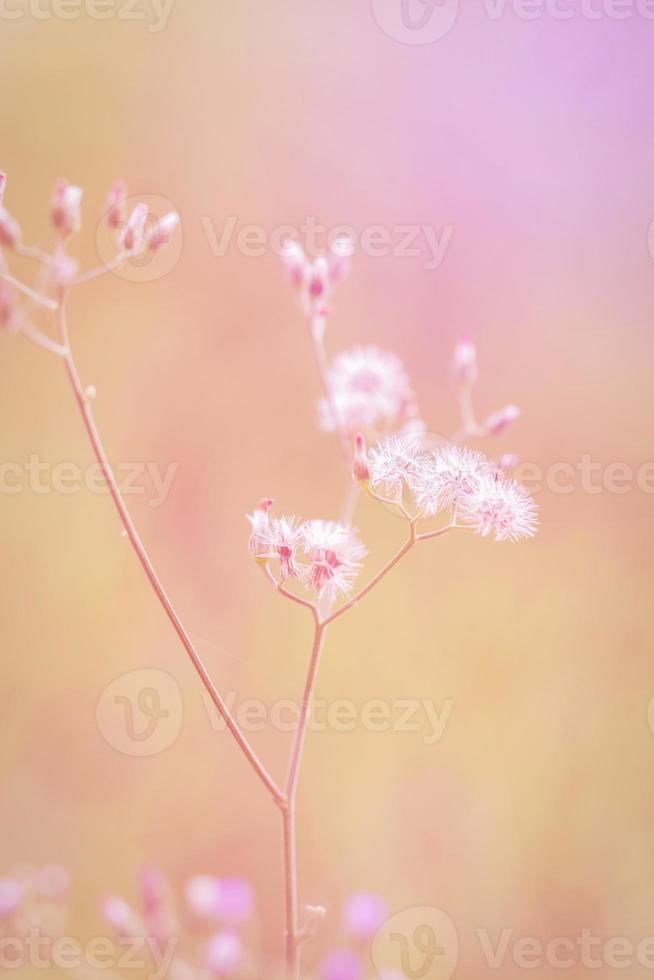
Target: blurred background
[[529, 145]]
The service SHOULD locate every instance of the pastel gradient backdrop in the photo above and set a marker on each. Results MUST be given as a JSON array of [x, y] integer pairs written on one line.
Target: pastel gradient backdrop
[[535, 141]]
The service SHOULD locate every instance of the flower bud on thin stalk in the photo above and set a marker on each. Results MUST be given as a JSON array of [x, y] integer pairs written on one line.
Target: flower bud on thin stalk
[[65, 208]]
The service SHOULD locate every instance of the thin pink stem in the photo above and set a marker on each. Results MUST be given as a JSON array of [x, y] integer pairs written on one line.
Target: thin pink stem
[[100, 271], [317, 334], [289, 813], [28, 291], [148, 567]]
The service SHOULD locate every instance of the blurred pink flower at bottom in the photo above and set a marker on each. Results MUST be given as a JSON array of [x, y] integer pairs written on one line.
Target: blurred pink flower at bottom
[[10, 896], [342, 964], [223, 953]]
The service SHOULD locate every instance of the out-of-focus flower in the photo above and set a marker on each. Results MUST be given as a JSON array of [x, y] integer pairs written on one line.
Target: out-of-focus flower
[[9, 229], [342, 964], [10, 896], [65, 208], [464, 363], [335, 555], [234, 901], [370, 389], [8, 308], [259, 522], [508, 462], [52, 881], [450, 475], [3, 184], [282, 537], [498, 422], [115, 205], [313, 280], [363, 914], [202, 895], [499, 507], [224, 953], [120, 917], [396, 463]]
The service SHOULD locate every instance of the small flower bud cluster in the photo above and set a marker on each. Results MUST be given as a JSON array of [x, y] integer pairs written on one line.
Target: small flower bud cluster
[[322, 556], [363, 915], [313, 280], [464, 374]]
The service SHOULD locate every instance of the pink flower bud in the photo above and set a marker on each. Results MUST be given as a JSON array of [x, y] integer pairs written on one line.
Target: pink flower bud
[[115, 204], [295, 262], [496, 423], [360, 468], [65, 207], [133, 236], [508, 462], [10, 896], [119, 916], [464, 363], [3, 183], [153, 888], [9, 229], [223, 954], [341, 252], [318, 278], [163, 230]]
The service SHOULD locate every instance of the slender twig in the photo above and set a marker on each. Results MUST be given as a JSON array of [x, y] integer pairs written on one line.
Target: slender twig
[[143, 557], [49, 304], [289, 812], [100, 271], [38, 337]]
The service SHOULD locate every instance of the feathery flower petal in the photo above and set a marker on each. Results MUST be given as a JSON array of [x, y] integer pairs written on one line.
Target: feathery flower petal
[[500, 507], [281, 538], [335, 555], [450, 475], [398, 462]]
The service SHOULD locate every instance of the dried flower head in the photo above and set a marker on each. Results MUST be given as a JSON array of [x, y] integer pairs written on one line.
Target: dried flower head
[[448, 477], [259, 522], [282, 537], [335, 554], [397, 463], [501, 507], [370, 390]]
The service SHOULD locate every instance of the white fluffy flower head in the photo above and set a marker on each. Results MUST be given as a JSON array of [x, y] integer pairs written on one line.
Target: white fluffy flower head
[[500, 507], [370, 389]]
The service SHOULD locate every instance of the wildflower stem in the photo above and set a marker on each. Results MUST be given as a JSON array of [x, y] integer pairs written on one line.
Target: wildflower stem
[[38, 337], [289, 813], [317, 334], [148, 567], [49, 304], [100, 271]]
